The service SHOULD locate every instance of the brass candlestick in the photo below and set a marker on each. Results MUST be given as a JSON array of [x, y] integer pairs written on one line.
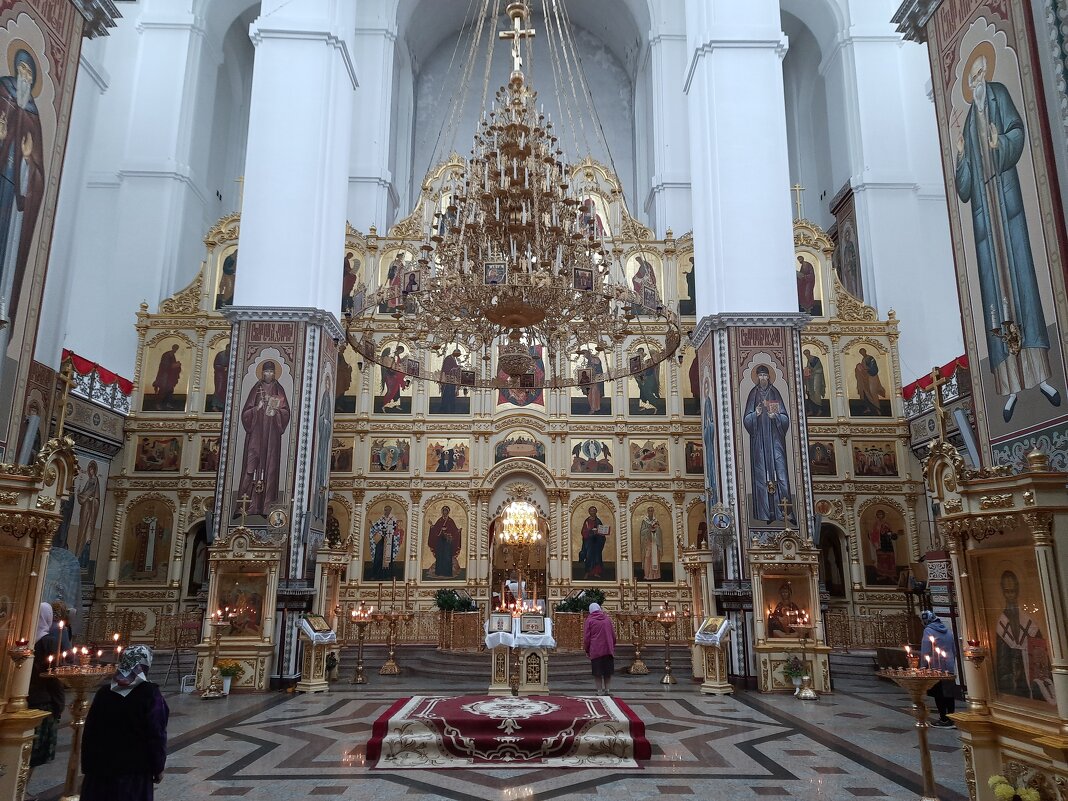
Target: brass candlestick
[[637, 621], [666, 618], [391, 668], [916, 682], [81, 679], [361, 619], [215, 683]]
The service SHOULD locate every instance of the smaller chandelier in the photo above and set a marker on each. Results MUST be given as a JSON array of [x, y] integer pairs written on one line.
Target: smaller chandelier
[[520, 525]]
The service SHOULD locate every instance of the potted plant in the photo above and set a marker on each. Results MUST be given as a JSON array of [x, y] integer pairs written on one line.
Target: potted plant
[[1004, 791], [229, 669], [795, 670]]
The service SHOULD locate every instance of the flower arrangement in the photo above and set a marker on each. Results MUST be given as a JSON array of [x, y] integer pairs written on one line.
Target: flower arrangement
[[581, 602], [1004, 791], [794, 668], [451, 601], [230, 667]]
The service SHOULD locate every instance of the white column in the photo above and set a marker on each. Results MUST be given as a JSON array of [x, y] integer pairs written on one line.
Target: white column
[[300, 127], [668, 203], [743, 231], [878, 89], [372, 187]]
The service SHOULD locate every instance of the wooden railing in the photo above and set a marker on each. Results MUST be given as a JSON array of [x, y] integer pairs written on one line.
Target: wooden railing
[[862, 632]]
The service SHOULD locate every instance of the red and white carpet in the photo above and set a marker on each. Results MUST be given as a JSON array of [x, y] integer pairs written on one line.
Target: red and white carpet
[[481, 731]]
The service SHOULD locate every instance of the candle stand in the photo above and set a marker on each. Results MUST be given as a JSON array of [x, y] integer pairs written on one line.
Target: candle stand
[[391, 668], [666, 618], [637, 633], [215, 683], [81, 678], [361, 619], [916, 682]]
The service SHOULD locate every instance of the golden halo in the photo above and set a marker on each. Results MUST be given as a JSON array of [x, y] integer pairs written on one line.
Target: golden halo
[[12, 50], [981, 49], [771, 373]]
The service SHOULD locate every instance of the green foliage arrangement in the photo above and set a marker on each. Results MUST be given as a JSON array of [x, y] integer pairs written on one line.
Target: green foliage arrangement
[[230, 667], [451, 601], [794, 668], [581, 602]]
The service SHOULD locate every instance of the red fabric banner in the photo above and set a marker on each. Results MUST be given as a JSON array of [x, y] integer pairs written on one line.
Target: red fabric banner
[[924, 383], [84, 367]]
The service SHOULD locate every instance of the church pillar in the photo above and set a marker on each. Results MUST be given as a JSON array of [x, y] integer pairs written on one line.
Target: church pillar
[[747, 337], [372, 188], [668, 201], [273, 487]]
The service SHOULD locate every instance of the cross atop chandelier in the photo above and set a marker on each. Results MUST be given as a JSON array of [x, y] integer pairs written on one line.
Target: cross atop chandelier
[[513, 265]]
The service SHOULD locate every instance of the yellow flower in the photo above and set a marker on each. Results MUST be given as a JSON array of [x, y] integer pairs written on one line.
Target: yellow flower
[[1028, 794], [1004, 792], [995, 780]]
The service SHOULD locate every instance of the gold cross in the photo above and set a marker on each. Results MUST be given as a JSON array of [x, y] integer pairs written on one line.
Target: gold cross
[[786, 507], [244, 503], [66, 377], [518, 12], [937, 382], [798, 189]]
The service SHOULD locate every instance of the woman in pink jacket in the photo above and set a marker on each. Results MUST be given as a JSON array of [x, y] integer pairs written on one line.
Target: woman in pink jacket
[[599, 642]]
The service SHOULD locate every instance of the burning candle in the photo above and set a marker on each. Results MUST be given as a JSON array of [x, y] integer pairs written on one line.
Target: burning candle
[[928, 658], [908, 650], [50, 658], [393, 591], [59, 640]]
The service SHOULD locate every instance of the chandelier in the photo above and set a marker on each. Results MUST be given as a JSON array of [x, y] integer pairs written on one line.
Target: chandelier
[[513, 265], [520, 525]]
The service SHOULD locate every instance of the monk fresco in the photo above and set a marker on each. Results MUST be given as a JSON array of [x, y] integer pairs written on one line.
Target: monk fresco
[[265, 417]]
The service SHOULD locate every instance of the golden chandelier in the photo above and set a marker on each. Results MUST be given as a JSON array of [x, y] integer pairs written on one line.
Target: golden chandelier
[[520, 525], [512, 262]]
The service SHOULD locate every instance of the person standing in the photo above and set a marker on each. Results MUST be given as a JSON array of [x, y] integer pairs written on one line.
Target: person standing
[[125, 740], [45, 693], [599, 643], [938, 645]]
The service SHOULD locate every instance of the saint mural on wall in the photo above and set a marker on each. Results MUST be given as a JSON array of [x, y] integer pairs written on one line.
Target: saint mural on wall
[[393, 383], [687, 288], [22, 165], [519, 445], [808, 289], [390, 456], [163, 362], [766, 418], [988, 149], [647, 382], [821, 458], [529, 392], [884, 544], [385, 541], [653, 536], [158, 454], [452, 397], [146, 550], [448, 456], [649, 456], [591, 456], [817, 403], [592, 542], [874, 458], [445, 533], [264, 419], [871, 394], [589, 369], [227, 280], [220, 368]]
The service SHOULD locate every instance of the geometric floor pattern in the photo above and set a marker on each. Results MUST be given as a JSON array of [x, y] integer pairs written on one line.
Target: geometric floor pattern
[[856, 743]]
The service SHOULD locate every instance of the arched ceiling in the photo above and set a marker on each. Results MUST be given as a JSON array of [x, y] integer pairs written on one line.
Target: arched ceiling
[[621, 24]]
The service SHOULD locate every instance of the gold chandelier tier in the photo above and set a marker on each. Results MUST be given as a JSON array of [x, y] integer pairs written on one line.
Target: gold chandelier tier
[[509, 264], [520, 525]]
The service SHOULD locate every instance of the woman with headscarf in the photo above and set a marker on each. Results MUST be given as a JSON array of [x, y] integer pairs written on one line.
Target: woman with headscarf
[[939, 652], [125, 739], [44, 693], [599, 643]]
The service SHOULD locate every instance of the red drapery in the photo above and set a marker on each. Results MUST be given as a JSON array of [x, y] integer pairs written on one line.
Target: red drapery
[[84, 367], [925, 383]]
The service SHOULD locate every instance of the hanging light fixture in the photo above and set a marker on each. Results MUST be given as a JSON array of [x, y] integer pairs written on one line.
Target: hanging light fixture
[[513, 262], [520, 525]]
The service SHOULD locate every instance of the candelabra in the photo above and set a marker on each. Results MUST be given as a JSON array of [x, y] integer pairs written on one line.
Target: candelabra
[[975, 653], [215, 687], [391, 668], [81, 678], [637, 622], [806, 693], [666, 618], [916, 682], [361, 619]]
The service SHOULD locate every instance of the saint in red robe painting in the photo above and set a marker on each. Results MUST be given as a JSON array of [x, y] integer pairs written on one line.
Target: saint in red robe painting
[[444, 543], [265, 417], [167, 375], [806, 286]]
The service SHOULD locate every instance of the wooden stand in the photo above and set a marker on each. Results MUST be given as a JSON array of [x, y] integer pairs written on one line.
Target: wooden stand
[[715, 664], [313, 667], [533, 671]]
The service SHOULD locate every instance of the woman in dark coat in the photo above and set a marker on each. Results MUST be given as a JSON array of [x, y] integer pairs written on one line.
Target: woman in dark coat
[[45, 693], [125, 740]]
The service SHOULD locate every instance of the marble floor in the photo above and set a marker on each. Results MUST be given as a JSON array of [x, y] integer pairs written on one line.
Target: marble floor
[[858, 742]]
